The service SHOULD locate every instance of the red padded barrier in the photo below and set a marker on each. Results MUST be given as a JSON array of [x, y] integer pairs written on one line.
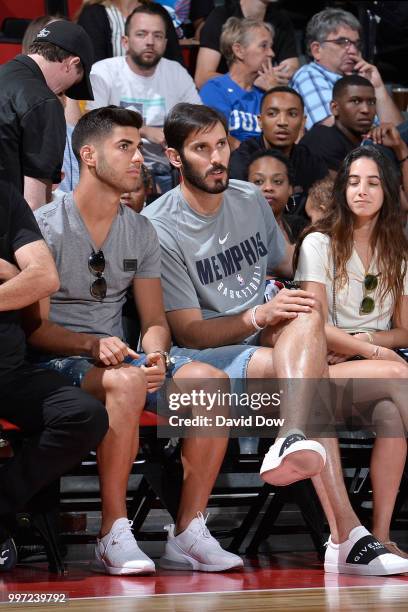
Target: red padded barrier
[[7, 426], [21, 9]]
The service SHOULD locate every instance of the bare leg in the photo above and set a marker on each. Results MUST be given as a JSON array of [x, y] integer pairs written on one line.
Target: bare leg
[[332, 493], [329, 484], [299, 353], [123, 389], [387, 465], [388, 379], [201, 457]]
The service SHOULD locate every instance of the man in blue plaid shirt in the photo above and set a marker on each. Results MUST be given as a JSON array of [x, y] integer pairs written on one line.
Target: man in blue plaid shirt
[[333, 41]]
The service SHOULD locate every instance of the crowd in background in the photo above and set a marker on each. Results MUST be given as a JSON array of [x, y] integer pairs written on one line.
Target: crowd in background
[[142, 134]]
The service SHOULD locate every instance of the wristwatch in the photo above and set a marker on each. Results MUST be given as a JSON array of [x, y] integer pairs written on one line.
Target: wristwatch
[[167, 358]]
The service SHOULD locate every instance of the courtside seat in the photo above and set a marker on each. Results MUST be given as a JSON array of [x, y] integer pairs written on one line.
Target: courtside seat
[[43, 519]]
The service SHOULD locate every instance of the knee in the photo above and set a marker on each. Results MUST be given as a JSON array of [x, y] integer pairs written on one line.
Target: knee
[[199, 371], [396, 370], [127, 384], [387, 419]]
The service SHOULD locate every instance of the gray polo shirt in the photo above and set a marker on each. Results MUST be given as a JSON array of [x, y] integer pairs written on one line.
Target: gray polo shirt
[[131, 251], [217, 263]]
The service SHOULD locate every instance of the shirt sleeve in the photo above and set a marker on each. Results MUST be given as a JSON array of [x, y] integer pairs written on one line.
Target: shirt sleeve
[[212, 95], [23, 226], [149, 266], [405, 288], [313, 260], [316, 92], [43, 140], [200, 8], [178, 288], [186, 88], [101, 89], [211, 30]]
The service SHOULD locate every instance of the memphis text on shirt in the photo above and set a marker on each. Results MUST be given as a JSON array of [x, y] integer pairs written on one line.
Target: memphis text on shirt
[[228, 262]]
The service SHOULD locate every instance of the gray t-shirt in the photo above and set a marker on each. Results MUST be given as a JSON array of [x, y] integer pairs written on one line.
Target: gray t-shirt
[[216, 263], [131, 250]]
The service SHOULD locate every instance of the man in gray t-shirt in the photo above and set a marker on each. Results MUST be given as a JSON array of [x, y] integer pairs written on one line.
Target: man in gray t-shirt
[[217, 262], [102, 250], [218, 242]]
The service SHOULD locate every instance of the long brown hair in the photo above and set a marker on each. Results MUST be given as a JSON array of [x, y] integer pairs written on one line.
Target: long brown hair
[[388, 236]]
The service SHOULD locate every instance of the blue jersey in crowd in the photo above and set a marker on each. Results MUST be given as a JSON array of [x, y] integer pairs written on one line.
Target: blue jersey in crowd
[[240, 107]]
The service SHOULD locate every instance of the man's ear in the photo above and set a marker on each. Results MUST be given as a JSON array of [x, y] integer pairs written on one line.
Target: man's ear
[[315, 50], [334, 107], [174, 158], [125, 42], [260, 122], [87, 153], [73, 62]]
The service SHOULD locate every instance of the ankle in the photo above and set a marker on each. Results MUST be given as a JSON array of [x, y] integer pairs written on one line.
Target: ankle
[[183, 523], [382, 536], [107, 524], [343, 533]]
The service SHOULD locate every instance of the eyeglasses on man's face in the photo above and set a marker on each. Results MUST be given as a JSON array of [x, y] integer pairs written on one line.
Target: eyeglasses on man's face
[[344, 43]]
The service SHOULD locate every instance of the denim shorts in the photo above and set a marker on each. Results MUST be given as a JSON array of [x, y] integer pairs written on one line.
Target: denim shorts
[[75, 368], [233, 359]]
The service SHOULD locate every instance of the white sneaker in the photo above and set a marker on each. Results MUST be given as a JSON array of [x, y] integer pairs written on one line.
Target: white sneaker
[[362, 554], [117, 552], [291, 459], [196, 549]]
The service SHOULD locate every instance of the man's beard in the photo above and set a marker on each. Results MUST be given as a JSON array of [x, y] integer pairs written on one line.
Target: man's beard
[[139, 61], [199, 181]]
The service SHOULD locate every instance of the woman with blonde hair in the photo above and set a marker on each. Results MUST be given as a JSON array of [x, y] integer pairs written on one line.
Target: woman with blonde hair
[[246, 45], [104, 20], [354, 259]]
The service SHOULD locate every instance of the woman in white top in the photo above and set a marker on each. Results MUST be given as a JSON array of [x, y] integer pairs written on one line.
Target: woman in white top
[[355, 261]]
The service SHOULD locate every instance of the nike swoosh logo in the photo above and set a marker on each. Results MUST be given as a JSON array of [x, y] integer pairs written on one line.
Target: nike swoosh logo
[[223, 240], [3, 557]]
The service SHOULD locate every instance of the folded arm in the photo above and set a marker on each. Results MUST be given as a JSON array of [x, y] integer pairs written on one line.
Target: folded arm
[[37, 277]]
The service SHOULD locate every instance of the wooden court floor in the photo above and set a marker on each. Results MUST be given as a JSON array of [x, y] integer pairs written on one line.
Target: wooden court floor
[[285, 582]]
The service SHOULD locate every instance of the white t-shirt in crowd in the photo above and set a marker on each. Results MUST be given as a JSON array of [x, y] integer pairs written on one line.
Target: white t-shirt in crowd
[[113, 82], [315, 264]]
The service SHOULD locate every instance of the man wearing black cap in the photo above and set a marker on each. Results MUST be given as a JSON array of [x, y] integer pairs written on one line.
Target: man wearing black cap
[[32, 123]]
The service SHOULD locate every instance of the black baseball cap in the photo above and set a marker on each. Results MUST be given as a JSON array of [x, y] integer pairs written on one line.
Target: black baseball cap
[[73, 38]]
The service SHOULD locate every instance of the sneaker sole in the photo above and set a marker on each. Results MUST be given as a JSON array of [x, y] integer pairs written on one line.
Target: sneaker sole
[[119, 571], [362, 570], [295, 466], [188, 564]]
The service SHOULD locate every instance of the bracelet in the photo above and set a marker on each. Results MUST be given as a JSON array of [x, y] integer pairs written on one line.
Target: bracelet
[[370, 337], [376, 353], [253, 319], [401, 161]]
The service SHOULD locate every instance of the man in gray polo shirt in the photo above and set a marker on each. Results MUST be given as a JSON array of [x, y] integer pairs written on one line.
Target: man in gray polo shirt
[[102, 249], [219, 239]]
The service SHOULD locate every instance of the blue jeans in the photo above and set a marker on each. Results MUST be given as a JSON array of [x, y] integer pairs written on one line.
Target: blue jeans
[[75, 368]]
